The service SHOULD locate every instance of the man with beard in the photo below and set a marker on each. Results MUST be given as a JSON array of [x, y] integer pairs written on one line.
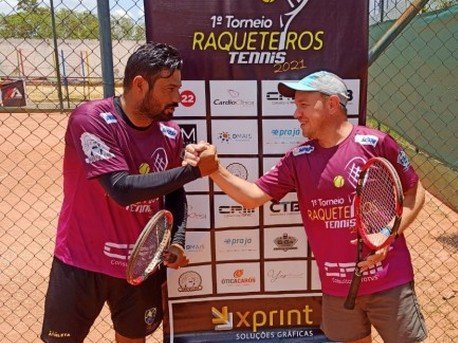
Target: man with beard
[[122, 164]]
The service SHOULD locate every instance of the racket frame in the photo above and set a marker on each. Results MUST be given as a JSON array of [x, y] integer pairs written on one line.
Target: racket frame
[[349, 303], [155, 263]]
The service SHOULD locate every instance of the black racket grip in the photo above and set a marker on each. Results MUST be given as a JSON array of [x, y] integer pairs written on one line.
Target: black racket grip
[[353, 292]]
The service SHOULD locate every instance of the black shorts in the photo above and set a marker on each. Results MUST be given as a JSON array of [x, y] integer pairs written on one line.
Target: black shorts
[[76, 296]]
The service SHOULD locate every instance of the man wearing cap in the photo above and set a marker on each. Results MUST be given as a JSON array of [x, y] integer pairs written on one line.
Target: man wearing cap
[[323, 172]]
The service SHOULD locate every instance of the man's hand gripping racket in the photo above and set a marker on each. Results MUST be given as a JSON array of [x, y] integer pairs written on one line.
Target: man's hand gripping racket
[[153, 248], [378, 211]]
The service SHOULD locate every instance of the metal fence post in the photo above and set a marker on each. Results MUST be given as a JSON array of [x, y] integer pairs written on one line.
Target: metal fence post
[[106, 50]]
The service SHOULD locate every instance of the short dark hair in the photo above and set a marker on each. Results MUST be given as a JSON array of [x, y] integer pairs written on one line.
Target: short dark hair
[[149, 60]]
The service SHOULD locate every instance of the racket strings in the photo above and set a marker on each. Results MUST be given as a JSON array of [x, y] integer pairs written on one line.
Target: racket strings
[[378, 204], [148, 255]]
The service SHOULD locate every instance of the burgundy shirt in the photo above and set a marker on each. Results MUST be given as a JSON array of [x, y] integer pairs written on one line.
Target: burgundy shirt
[[94, 232], [325, 182]]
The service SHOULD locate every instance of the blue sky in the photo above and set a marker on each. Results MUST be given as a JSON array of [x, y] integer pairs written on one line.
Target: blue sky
[[131, 8]]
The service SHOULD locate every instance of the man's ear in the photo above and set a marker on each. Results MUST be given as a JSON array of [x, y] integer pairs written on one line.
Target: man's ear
[[333, 103], [140, 85]]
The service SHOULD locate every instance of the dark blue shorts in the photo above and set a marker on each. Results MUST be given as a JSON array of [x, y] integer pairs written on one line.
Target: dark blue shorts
[[75, 298]]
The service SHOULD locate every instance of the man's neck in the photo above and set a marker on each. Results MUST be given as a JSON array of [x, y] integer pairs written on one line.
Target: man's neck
[[336, 135], [131, 113]]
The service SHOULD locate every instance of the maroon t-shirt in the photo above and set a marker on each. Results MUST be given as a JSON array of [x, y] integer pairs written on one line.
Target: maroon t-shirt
[[94, 232], [325, 182]]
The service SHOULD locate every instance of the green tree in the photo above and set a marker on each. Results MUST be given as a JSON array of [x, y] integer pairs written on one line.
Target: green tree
[[27, 5], [35, 22]]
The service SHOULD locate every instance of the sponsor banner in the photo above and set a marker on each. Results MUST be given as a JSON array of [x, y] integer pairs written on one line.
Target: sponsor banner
[[286, 275], [192, 99], [280, 135], [193, 131], [272, 318], [12, 93], [245, 168], [232, 245], [228, 213], [285, 242], [235, 52], [261, 39], [237, 278], [284, 211], [189, 281], [273, 103], [235, 137], [233, 98], [198, 247], [198, 212]]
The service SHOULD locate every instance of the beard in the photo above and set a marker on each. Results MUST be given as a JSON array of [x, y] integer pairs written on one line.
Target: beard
[[155, 111]]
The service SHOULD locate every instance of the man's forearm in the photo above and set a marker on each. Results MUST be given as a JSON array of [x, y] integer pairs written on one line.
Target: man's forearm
[[246, 193], [414, 199]]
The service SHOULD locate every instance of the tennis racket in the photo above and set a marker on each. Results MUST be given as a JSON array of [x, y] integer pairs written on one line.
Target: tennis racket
[[147, 254], [378, 211]]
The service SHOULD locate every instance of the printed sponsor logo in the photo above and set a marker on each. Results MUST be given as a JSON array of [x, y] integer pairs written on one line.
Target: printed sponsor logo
[[189, 281], [168, 131], [238, 169], [275, 98], [150, 315], [403, 159], [367, 140], [259, 40], [285, 242], [145, 206], [283, 207], [108, 117], [196, 214], [233, 100], [224, 320], [305, 149], [353, 168], [194, 248], [239, 279], [159, 160], [279, 275], [94, 148], [189, 133], [226, 137], [286, 132], [235, 211], [342, 272], [188, 98]]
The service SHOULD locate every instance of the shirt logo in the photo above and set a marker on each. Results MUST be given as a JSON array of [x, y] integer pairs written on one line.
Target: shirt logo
[[94, 148], [306, 149], [403, 159], [108, 117], [366, 140], [150, 315], [159, 160], [168, 131]]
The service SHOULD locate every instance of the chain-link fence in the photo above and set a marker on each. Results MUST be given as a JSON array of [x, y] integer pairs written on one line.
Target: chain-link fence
[[51, 49]]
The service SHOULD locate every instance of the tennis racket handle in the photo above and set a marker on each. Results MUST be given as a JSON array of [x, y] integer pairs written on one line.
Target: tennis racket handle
[[353, 292], [172, 258]]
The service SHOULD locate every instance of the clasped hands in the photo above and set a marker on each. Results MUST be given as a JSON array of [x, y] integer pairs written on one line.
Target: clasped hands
[[202, 155]]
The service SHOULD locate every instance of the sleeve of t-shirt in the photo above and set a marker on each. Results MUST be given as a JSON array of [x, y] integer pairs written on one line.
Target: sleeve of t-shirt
[[95, 144], [399, 159], [279, 180]]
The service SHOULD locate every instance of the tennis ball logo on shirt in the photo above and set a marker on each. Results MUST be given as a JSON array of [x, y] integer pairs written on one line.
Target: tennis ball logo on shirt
[[339, 181], [144, 168]]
